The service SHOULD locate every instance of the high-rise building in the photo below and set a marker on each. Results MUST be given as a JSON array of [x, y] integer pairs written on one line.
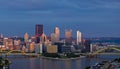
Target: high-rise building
[[43, 38], [79, 37], [1, 35], [38, 30], [53, 37], [57, 32], [87, 44], [68, 36], [41, 48], [32, 47], [26, 37]]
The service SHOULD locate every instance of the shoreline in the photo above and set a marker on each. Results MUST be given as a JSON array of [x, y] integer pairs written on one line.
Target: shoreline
[[77, 58]]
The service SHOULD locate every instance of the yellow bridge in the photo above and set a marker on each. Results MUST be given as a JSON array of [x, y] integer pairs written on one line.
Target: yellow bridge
[[109, 47], [16, 52], [19, 52]]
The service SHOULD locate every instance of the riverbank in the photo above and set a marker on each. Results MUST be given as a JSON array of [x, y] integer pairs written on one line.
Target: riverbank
[[50, 58]]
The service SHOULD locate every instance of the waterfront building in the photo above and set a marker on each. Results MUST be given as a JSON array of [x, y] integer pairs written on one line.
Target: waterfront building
[[32, 47], [7, 44], [24, 48], [52, 49], [17, 44], [10, 44], [59, 44], [66, 49], [41, 48], [38, 48]]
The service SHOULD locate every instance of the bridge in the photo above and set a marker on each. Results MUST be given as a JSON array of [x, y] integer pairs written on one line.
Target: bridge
[[19, 52], [16, 52], [108, 48], [103, 51]]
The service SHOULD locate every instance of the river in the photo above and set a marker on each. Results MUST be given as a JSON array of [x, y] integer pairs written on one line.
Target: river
[[19, 62]]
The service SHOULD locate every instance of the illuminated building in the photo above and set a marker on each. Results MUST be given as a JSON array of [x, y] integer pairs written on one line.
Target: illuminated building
[[8, 43], [52, 49], [38, 32], [43, 38], [33, 38], [57, 32], [32, 47], [26, 37], [5, 41], [23, 48], [17, 44], [53, 38], [79, 37], [68, 36], [1, 35], [41, 48]]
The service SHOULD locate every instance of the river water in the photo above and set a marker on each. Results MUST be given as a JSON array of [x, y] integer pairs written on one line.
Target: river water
[[19, 62]]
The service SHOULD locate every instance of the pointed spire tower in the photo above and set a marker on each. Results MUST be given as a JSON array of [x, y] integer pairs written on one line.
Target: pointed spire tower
[[26, 37]]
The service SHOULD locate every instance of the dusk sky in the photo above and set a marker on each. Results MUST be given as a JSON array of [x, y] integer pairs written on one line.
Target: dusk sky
[[94, 18]]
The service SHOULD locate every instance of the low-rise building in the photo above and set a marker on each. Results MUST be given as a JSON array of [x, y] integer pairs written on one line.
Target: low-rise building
[[52, 49]]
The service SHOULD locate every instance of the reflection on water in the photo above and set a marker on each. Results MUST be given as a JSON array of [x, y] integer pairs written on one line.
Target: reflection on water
[[39, 63]]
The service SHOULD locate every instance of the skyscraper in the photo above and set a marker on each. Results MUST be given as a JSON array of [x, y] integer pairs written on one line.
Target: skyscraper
[[57, 32], [38, 30], [87, 44], [26, 37], [79, 37], [68, 36], [43, 38], [53, 37]]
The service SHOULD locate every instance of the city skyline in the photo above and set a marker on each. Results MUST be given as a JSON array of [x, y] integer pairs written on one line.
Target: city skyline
[[61, 33], [92, 18]]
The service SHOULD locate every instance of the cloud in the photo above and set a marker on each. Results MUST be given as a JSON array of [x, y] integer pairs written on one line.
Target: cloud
[[61, 10], [57, 4]]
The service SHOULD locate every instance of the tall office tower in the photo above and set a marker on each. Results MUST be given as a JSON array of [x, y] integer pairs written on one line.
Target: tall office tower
[[26, 37], [53, 37], [1, 35], [68, 37], [87, 44], [79, 37], [57, 32], [38, 32], [41, 48], [43, 38]]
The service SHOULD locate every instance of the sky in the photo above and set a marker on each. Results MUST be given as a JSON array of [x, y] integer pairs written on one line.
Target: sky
[[94, 18]]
